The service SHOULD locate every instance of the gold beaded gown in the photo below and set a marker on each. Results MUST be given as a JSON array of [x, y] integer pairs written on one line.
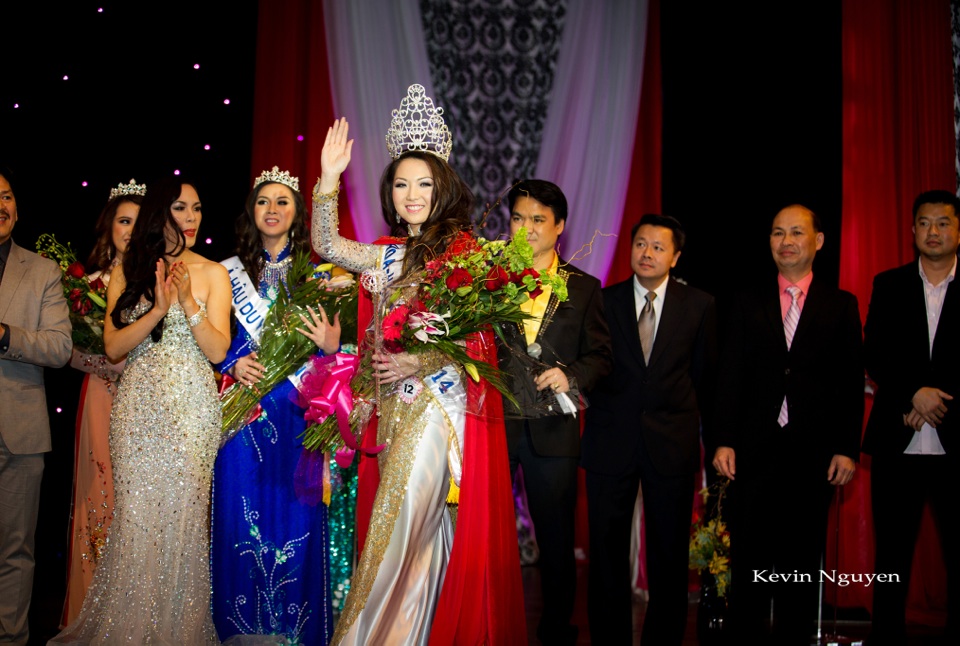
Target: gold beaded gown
[[153, 584], [397, 583]]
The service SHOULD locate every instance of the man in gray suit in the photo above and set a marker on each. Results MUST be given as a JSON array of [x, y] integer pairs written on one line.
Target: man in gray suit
[[34, 332]]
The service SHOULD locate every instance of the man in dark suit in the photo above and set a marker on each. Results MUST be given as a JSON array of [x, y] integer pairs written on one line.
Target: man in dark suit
[[789, 415], [34, 332], [571, 339], [643, 431], [912, 352]]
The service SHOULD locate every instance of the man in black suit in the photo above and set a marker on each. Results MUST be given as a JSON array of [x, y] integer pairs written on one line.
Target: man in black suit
[[912, 352], [572, 340], [789, 415], [643, 431]]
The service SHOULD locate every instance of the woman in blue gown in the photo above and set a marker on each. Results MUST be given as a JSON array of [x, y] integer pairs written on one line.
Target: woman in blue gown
[[269, 548]]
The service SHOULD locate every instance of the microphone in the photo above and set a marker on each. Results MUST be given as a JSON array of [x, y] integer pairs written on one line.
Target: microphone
[[534, 350]]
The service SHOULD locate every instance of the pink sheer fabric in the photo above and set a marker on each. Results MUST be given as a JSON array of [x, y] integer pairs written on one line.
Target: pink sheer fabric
[[92, 509]]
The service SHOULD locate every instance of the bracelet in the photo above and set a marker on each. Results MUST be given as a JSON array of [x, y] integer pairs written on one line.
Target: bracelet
[[324, 197], [197, 318]]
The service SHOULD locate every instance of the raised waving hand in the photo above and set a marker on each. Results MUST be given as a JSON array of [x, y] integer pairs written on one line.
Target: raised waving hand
[[335, 156]]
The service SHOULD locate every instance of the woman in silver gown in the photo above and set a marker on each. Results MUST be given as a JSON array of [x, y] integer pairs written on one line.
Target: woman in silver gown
[[169, 308]]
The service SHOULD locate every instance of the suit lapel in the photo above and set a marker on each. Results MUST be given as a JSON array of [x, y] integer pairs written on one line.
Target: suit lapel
[[812, 303], [771, 307], [12, 275], [948, 314], [624, 315], [670, 317], [553, 303]]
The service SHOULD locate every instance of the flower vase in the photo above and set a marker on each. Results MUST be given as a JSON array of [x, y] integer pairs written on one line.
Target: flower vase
[[712, 615]]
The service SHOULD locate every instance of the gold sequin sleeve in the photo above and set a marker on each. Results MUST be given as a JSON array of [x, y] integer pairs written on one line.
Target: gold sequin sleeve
[[432, 360], [327, 241]]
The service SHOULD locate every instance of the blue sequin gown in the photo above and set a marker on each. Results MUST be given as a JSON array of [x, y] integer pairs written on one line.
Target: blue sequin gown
[[269, 550]]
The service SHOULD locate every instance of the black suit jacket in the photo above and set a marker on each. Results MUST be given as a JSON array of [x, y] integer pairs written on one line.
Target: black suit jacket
[[573, 334], [897, 356], [821, 374], [661, 403]]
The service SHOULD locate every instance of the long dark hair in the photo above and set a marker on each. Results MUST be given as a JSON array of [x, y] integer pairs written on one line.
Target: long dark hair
[[451, 206], [148, 244], [249, 242], [104, 250]]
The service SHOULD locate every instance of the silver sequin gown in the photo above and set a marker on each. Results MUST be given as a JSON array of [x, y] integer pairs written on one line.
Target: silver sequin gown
[[153, 584]]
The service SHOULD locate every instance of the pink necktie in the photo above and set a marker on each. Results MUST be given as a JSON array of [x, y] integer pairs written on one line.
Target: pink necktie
[[789, 329]]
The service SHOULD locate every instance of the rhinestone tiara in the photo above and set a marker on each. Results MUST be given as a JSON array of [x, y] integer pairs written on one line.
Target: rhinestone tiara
[[280, 178], [123, 190], [418, 125]]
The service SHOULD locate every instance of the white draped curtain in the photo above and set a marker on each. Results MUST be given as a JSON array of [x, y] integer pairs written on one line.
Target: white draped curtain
[[377, 49]]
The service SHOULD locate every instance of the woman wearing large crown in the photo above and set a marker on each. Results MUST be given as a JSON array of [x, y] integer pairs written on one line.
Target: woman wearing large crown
[[418, 581], [168, 311], [92, 508], [269, 543]]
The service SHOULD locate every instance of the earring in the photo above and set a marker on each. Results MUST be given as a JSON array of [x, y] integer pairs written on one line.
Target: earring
[[398, 218]]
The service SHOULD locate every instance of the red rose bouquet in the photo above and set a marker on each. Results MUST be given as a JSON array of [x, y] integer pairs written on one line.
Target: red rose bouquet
[[87, 298], [474, 285]]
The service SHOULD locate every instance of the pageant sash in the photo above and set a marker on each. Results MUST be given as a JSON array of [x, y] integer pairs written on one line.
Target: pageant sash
[[249, 308], [391, 260]]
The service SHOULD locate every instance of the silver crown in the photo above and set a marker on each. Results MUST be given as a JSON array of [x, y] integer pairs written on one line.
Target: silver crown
[[123, 190], [280, 178], [418, 125]]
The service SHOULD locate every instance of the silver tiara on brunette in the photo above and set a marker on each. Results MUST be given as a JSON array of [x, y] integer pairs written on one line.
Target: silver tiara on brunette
[[280, 178], [418, 125], [125, 190]]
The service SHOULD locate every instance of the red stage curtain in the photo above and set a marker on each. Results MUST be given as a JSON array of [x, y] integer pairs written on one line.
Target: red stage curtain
[[292, 94], [898, 140]]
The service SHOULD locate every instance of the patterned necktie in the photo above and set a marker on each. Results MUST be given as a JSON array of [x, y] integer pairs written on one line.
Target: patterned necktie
[[789, 329], [647, 324]]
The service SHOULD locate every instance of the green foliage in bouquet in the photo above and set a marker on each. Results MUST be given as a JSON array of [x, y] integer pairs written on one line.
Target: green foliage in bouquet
[[282, 350]]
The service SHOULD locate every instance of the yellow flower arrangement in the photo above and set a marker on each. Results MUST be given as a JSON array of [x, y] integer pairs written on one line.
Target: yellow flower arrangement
[[710, 539]]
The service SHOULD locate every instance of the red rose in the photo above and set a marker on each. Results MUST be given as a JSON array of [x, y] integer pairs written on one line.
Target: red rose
[[458, 278], [536, 292], [76, 270], [96, 284], [75, 294], [496, 278], [463, 244], [518, 278], [85, 307]]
